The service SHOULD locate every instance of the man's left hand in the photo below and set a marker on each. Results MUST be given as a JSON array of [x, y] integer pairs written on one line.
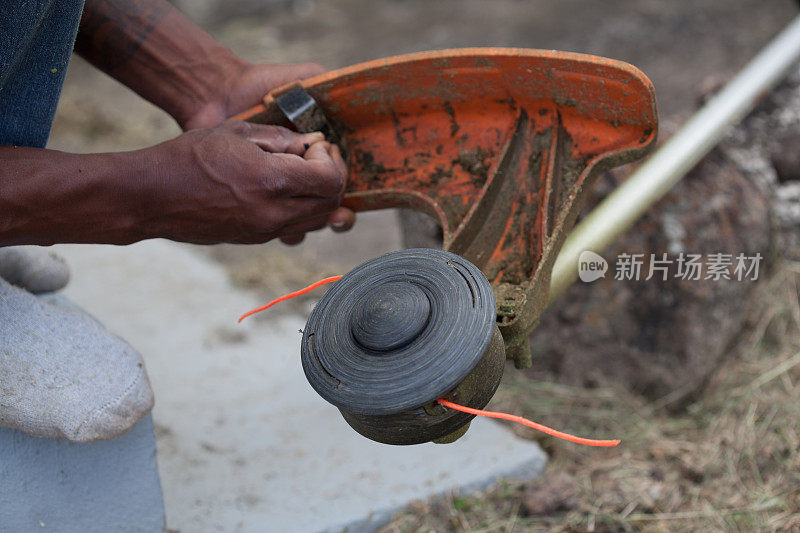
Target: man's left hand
[[245, 89]]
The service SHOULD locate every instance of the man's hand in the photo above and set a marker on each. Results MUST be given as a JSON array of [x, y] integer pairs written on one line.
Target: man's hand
[[246, 89], [237, 182], [246, 183]]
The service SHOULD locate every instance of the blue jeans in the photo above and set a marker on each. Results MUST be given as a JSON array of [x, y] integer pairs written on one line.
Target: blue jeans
[[36, 40]]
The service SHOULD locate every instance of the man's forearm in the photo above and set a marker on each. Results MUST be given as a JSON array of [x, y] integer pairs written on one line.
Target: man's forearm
[[48, 197], [153, 49], [236, 182]]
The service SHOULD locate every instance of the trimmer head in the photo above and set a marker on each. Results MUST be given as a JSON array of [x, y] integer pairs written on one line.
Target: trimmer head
[[499, 145], [397, 333]]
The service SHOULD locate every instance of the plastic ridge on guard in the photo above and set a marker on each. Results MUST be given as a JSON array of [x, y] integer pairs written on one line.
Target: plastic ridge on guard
[[498, 144], [397, 333]]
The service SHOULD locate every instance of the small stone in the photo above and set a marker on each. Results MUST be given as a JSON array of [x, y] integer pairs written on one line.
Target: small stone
[[557, 492], [786, 158]]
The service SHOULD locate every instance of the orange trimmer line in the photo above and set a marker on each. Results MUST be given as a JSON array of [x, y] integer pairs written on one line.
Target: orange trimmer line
[[446, 403], [529, 423], [290, 295]]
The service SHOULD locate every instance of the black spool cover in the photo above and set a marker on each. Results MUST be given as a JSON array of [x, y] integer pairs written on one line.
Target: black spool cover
[[398, 331]]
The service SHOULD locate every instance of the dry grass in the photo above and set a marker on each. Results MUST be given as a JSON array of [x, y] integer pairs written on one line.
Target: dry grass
[[731, 462]]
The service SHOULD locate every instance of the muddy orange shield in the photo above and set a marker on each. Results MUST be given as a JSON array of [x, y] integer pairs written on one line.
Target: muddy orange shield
[[499, 145]]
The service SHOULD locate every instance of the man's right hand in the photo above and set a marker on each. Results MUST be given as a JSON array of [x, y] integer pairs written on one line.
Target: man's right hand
[[237, 182], [245, 183]]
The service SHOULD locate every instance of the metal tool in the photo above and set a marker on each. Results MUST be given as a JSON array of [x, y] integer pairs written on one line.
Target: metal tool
[[304, 113]]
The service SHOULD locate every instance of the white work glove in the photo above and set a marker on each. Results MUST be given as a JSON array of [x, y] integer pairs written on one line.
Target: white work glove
[[62, 374]]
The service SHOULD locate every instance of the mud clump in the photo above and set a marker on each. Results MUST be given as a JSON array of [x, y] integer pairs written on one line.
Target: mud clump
[[474, 163]]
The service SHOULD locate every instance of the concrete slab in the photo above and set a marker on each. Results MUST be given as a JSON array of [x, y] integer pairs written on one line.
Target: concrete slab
[[244, 443], [97, 487]]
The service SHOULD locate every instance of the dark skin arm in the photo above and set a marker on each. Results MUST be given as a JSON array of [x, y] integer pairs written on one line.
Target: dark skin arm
[[236, 182], [219, 182], [152, 48]]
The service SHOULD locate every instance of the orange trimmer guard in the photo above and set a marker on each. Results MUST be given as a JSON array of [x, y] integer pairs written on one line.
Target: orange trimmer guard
[[498, 144]]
